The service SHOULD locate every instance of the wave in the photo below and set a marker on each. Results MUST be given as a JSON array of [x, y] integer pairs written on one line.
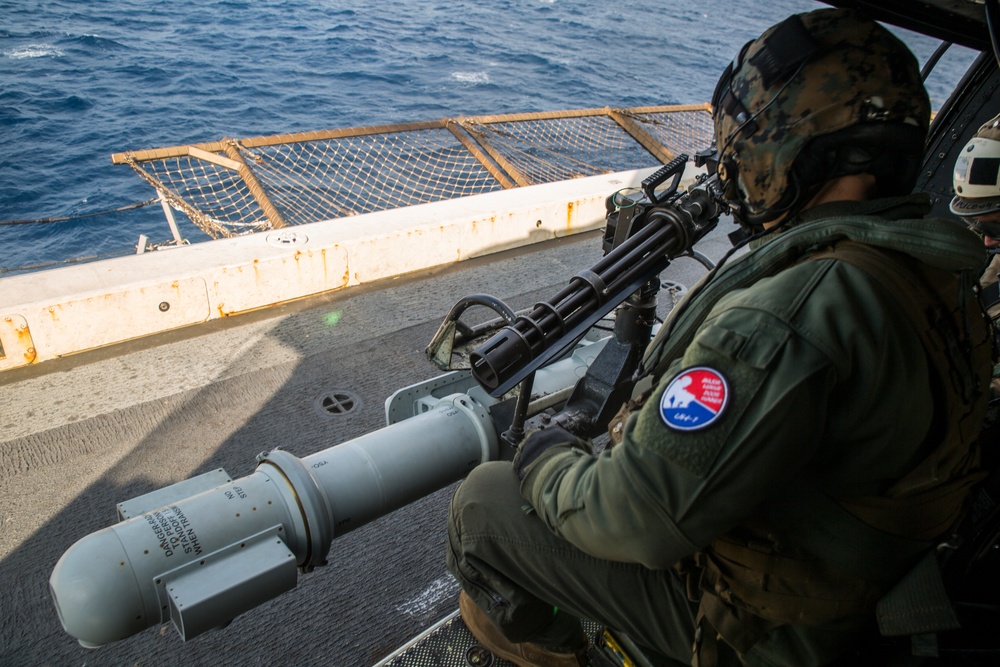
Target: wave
[[33, 51], [145, 74], [471, 78], [93, 43]]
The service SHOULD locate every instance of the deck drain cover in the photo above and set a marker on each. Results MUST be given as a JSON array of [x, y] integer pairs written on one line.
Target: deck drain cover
[[676, 289], [337, 402]]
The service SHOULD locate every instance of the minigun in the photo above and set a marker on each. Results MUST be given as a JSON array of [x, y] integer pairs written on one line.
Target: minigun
[[205, 550], [644, 232]]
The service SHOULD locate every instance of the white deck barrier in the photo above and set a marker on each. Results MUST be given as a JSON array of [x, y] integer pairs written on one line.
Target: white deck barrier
[[59, 312]]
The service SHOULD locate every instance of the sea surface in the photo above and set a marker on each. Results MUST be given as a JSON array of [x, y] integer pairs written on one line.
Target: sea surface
[[82, 80]]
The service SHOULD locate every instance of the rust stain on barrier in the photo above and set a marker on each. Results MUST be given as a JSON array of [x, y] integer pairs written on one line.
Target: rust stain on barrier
[[24, 336], [275, 282], [570, 211], [20, 344]]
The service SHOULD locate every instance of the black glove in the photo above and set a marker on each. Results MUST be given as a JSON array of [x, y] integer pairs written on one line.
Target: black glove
[[537, 443]]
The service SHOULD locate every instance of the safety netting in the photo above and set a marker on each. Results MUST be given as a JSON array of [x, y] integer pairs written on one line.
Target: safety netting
[[238, 186]]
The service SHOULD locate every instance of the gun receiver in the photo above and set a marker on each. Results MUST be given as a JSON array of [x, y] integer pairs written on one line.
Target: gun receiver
[[646, 231]]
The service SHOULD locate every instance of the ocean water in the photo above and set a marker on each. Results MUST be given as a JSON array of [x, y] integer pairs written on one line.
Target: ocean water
[[80, 81]]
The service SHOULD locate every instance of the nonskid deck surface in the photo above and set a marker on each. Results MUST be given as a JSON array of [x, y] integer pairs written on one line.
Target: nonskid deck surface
[[448, 643], [80, 434]]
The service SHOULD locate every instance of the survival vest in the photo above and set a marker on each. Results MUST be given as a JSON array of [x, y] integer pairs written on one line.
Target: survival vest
[[745, 585]]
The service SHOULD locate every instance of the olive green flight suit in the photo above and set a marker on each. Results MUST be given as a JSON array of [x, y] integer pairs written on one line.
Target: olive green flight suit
[[825, 394], [989, 284]]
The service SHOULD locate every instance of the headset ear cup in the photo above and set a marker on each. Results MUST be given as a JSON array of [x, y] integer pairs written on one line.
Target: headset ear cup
[[892, 152]]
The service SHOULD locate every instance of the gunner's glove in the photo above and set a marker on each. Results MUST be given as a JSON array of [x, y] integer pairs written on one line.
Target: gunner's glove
[[537, 443]]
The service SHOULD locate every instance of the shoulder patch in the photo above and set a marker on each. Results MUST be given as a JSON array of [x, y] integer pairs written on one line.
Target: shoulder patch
[[694, 399]]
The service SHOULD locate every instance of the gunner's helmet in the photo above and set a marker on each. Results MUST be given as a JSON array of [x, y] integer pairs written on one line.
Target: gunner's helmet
[[820, 95], [977, 188]]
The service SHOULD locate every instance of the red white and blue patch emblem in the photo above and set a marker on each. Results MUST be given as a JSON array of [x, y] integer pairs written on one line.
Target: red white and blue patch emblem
[[694, 399]]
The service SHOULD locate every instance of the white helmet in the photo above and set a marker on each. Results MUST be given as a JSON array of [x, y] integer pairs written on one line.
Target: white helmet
[[976, 178]]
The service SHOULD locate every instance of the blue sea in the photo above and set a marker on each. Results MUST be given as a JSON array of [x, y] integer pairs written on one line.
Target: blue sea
[[82, 80]]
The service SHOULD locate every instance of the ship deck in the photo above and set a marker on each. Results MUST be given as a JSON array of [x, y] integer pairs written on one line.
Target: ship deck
[[81, 433]]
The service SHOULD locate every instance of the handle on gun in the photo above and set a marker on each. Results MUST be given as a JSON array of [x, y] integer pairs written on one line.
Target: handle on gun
[[673, 168]]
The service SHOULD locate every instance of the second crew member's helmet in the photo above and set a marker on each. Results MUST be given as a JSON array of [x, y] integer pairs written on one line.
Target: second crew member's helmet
[[820, 95], [975, 179]]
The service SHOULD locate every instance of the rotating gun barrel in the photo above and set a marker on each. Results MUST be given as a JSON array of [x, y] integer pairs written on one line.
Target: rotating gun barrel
[[644, 233]]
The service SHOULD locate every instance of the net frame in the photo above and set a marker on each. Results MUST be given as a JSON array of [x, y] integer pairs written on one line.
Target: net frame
[[233, 187]]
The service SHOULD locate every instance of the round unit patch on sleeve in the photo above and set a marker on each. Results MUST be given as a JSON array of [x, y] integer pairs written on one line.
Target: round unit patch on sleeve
[[694, 399]]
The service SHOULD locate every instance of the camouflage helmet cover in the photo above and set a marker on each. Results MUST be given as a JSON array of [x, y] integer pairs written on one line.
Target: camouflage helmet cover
[[811, 75]]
